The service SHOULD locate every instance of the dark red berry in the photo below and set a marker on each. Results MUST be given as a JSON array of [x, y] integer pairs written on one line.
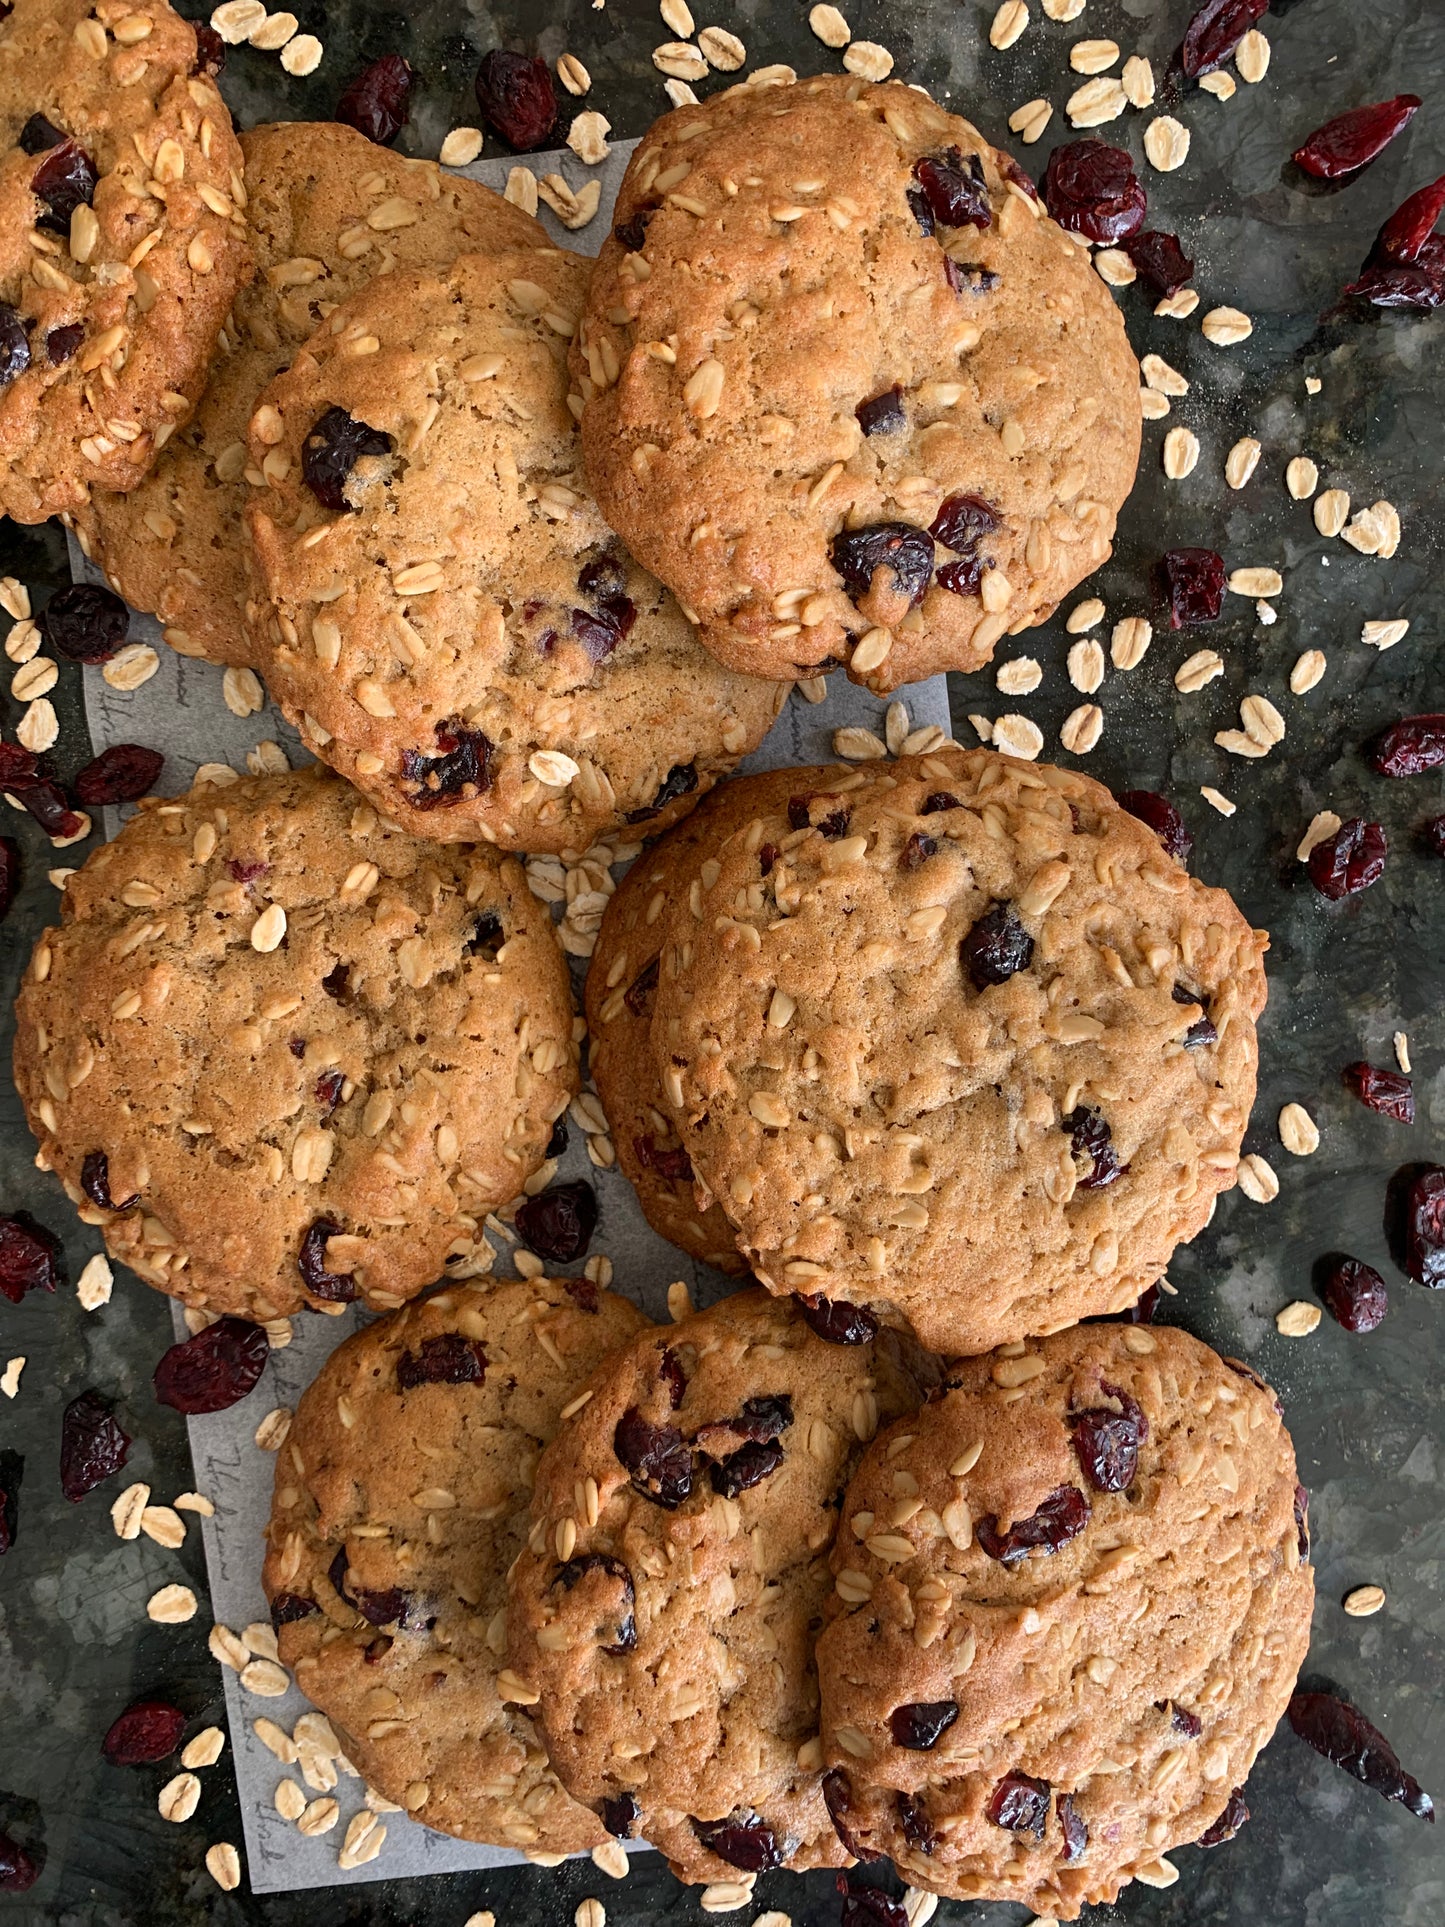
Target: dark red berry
[[1107, 1442], [338, 1572], [744, 1839], [558, 1223], [633, 233], [657, 1457], [922, 212], [936, 802], [12, 1471], [760, 1419], [246, 869], [954, 188], [1351, 141], [816, 810], [445, 1359], [616, 1627], [148, 1731], [335, 445], [1406, 237], [899, 552], [675, 1165], [64, 181], [1387, 1092], [582, 1292], [9, 874], [389, 1608], [378, 100], [962, 522], [916, 852], [680, 780], [1350, 860], [337, 1287], [462, 768], [14, 345], [92, 1445], [210, 52], [288, 1607], [119, 774], [1406, 285], [1301, 1513], [62, 342], [963, 575], [915, 1824], [1215, 31], [837, 1322], [517, 98], [47, 803], [1410, 747], [1020, 1803], [1163, 819], [1091, 189], [1075, 1828], [838, 1799], [328, 1088], [39, 135], [921, 1724], [215, 1369], [966, 277], [868, 1906], [740, 1471], [673, 1375], [1355, 1295], [19, 1870], [1201, 1032], [882, 414], [996, 948], [638, 995], [1181, 1719], [1196, 586], [1229, 1822], [95, 1183], [620, 1816], [30, 1256], [1433, 835], [1061, 1517], [85, 622], [17, 767], [1160, 261], [1340, 1731], [1142, 1311], [601, 630], [1091, 1138], [1425, 1228]]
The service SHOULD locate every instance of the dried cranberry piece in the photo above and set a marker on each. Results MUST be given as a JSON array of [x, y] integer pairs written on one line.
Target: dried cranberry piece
[[336, 443], [337, 1287], [64, 181], [740, 1471], [61, 343], [12, 1471], [674, 1165], [604, 578], [1107, 1442], [868, 1906], [768, 856], [1350, 860], [517, 98], [336, 983], [1163, 819], [1351, 141], [904, 552], [883, 414], [378, 100], [838, 1799], [1406, 236], [638, 995], [1091, 188], [215, 1369], [1092, 1138], [1340, 1731], [1403, 286], [1061, 1517], [1301, 1516], [39, 135], [1160, 261], [922, 212], [1020, 1803], [936, 802], [95, 1183], [954, 188], [288, 1607], [670, 1371], [680, 780], [582, 1292], [1075, 1828], [633, 233], [1196, 586], [46, 802], [620, 1816], [836, 1321], [1355, 1295], [147, 1731], [914, 1823], [922, 1723], [14, 345], [119, 774], [1229, 1822], [1433, 835], [210, 53], [85, 622], [765, 1417], [622, 1631], [338, 1572], [1215, 31], [657, 1457], [1425, 1228], [328, 1089], [744, 1839], [963, 576], [916, 851], [462, 769], [1387, 1092], [962, 522], [246, 869], [967, 277], [558, 1223], [447, 1358], [19, 1870], [1202, 1030], [389, 1608], [601, 630], [17, 767], [30, 1256], [996, 948], [1142, 1311], [1410, 747], [92, 1444], [487, 937], [832, 824], [1181, 1719]]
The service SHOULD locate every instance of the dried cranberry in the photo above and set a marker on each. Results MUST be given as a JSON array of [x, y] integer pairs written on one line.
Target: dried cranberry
[[954, 188], [95, 1183], [962, 522], [914, 1823], [744, 1839], [1355, 1295], [1020, 1803], [1092, 1138], [12, 1471], [962, 576], [1405, 285], [19, 1870], [517, 98], [1201, 1031], [656, 1456], [1181, 1719], [85, 622], [47, 803], [388, 1608], [836, 1321], [1075, 1828], [904, 553], [740, 1471], [922, 212], [620, 1816], [1107, 1442], [1433, 835], [1091, 189], [1160, 261], [996, 948], [1229, 1822], [215, 1369], [119, 774], [638, 995], [1163, 819], [802, 815], [868, 1906], [92, 1444], [147, 1731], [445, 1359], [633, 233], [338, 1572], [487, 937], [336, 443], [618, 1636], [582, 1292], [600, 631], [916, 851], [1425, 1228], [1387, 1092], [675, 1165], [967, 277], [1215, 31], [246, 869], [30, 1256], [1301, 1516], [1061, 1517], [378, 100], [62, 342], [336, 983], [337, 1287], [674, 1377], [1340, 1731], [328, 1089], [558, 1223], [210, 53], [462, 769], [14, 345], [39, 135], [921, 1724], [1410, 747], [1351, 141], [1350, 860], [288, 1607], [64, 181], [1142, 1311], [838, 1799], [1196, 586], [883, 414], [1406, 236], [680, 780], [768, 856], [17, 766]]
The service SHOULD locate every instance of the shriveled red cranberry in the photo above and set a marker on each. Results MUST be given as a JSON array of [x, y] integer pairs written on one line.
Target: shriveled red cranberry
[[582, 1292], [903, 553], [1091, 188], [47, 803], [1142, 1311], [92, 1444], [1061, 1517], [1201, 1031], [1107, 1442], [388, 1608], [85, 622], [1425, 1228], [12, 1471], [337, 1287], [1215, 31], [119, 774], [1020, 1803], [210, 52], [379, 99], [617, 1631], [447, 1358], [215, 1369], [920, 1725], [1181, 1719], [1351, 141], [328, 1088], [1196, 586], [767, 857], [1405, 285], [620, 1816], [638, 995], [62, 342], [147, 1731], [30, 1256], [762, 1418], [1355, 1295], [602, 629], [17, 767], [838, 1799], [558, 1223], [963, 575], [882, 414], [680, 780], [517, 98], [836, 1321], [461, 769], [338, 1572], [288, 1607], [996, 948], [916, 851], [744, 1839], [675, 1165], [657, 1457], [673, 1375], [936, 802], [967, 277], [95, 1183], [19, 1870], [1408, 234], [336, 443], [1350, 860], [604, 578], [1163, 819], [1075, 1828], [1301, 1517], [9, 874], [803, 814], [740, 1471], [1410, 747], [954, 188], [922, 212], [39, 135], [1091, 1137], [65, 180], [1160, 261], [14, 345], [868, 1906], [1388, 1092], [632, 233], [1339, 1730], [914, 1823], [1235, 1813], [962, 522]]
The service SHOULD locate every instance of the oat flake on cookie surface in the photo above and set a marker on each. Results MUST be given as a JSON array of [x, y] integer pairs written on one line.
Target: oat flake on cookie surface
[[285, 1055], [956, 1038], [848, 390]]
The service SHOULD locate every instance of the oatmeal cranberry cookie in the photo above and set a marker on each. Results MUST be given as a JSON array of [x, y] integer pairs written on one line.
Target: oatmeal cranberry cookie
[[284, 1055], [400, 1502], [959, 1041], [1071, 1601], [848, 390], [665, 1608], [456, 630], [122, 243], [328, 212]]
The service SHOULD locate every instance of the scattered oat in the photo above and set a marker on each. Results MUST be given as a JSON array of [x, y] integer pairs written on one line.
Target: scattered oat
[[289, 1800], [1030, 120], [1008, 24], [302, 56], [39, 728], [1166, 142], [23, 641], [982, 727], [1217, 800], [274, 32], [590, 1913], [1255, 582], [1313, 384], [93, 1286], [1137, 80], [1241, 461], [34, 678], [1257, 1179], [1402, 1058], [868, 60], [271, 1432], [1084, 616], [171, 1606], [1063, 10], [679, 93], [1093, 56], [237, 20], [1115, 268], [677, 15], [1307, 671], [128, 668], [920, 1907], [320, 1816], [724, 1896], [572, 210], [1323, 825], [1331, 511], [365, 1836], [1251, 57], [1178, 307], [164, 1525], [461, 147], [721, 49], [611, 1859], [1018, 736], [587, 137], [265, 1678], [1301, 478], [194, 1502], [1364, 1600], [1197, 670], [1385, 634], [1130, 641], [1086, 666], [830, 26], [205, 1749], [1018, 677], [521, 189], [573, 75], [1298, 1320], [1262, 720], [223, 1863], [679, 59], [179, 1798], [1181, 453], [1266, 613], [1220, 84], [858, 745], [14, 597], [10, 1378], [127, 1511], [1226, 327], [1153, 406], [1163, 379], [1298, 1131], [1096, 103], [1082, 728]]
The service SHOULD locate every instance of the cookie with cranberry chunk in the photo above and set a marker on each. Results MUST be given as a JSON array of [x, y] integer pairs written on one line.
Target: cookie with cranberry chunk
[[123, 241], [664, 1612], [400, 1502], [329, 211], [1071, 1600], [285, 1055], [957, 1038], [848, 391], [455, 629]]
